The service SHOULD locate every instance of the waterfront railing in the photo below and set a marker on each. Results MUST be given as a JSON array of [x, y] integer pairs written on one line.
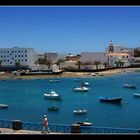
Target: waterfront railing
[[59, 128]]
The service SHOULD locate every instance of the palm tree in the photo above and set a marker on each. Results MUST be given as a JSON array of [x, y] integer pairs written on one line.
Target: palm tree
[[105, 64], [0, 63], [48, 63], [79, 63], [59, 62], [121, 63], [17, 64], [40, 61], [117, 63], [97, 64]]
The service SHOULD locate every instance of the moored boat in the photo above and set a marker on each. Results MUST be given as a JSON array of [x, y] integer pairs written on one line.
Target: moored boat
[[53, 108], [80, 111], [52, 95], [136, 94], [54, 80], [129, 86], [82, 88], [84, 123], [110, 99], [86, 84], [3, 106]]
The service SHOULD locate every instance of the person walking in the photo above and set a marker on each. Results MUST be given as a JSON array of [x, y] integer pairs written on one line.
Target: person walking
[[45, 125]]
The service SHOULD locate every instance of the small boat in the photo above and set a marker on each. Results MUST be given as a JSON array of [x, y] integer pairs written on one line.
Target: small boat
[[52, 95], [110, 99], [3, 106], [54, 80], [82, 88], [93, 74], [84, 123], [53, 108], [80, 111], [136, 94], [129, 86], [86, 84]]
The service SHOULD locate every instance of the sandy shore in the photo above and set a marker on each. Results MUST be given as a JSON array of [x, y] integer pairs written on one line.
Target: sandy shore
[[68, 74]]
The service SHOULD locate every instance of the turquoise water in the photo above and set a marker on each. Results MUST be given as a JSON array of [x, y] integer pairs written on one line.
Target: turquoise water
[[27, 103]]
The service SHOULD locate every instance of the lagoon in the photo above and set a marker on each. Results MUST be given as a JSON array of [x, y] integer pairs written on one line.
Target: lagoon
[[26, 101]]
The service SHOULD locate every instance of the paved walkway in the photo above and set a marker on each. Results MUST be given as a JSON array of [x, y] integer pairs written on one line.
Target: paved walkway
[[11, 131]]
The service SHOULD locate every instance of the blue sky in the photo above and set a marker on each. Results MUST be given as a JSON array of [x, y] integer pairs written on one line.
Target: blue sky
[[66, 29]]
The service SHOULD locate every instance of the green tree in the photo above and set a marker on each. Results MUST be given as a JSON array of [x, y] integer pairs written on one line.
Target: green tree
[[79, 63], [105, 64], [59, 62], [17, 64], [48, 63], [97, 63], [0, 63]]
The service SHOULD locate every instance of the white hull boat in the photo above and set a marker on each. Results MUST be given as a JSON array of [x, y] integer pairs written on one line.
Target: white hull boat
[[52, 95]]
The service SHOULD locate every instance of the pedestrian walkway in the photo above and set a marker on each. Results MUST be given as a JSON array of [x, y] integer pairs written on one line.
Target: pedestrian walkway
[[11, 131]]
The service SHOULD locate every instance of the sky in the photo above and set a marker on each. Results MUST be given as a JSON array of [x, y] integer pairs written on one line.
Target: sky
[[69, 29]]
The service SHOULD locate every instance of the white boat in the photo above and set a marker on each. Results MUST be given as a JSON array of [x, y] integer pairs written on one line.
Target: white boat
[[85, 84], [82, 88], [3, 106], [93, 74], [80, 111], [136, 94], [52, 95], [84, 123], [54, 80], [129, 86]]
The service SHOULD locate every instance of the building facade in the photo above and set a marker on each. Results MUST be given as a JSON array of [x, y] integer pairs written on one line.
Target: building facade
[[52, 57], [118, 55], [24, 56], [93, 56]]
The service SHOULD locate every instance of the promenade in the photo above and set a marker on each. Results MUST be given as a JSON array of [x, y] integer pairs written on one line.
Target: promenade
[[11, 131]]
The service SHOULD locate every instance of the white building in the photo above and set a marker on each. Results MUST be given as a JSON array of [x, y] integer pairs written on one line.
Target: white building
[[118, 54], [25, 56]]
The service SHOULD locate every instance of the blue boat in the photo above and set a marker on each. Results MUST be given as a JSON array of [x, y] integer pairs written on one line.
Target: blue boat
[[110, 99]]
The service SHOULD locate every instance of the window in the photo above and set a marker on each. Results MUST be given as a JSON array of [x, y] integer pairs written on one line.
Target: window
[[26, 60], [19, 51], [25, 51], [25, 55], [18, 55], [10, 62]]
